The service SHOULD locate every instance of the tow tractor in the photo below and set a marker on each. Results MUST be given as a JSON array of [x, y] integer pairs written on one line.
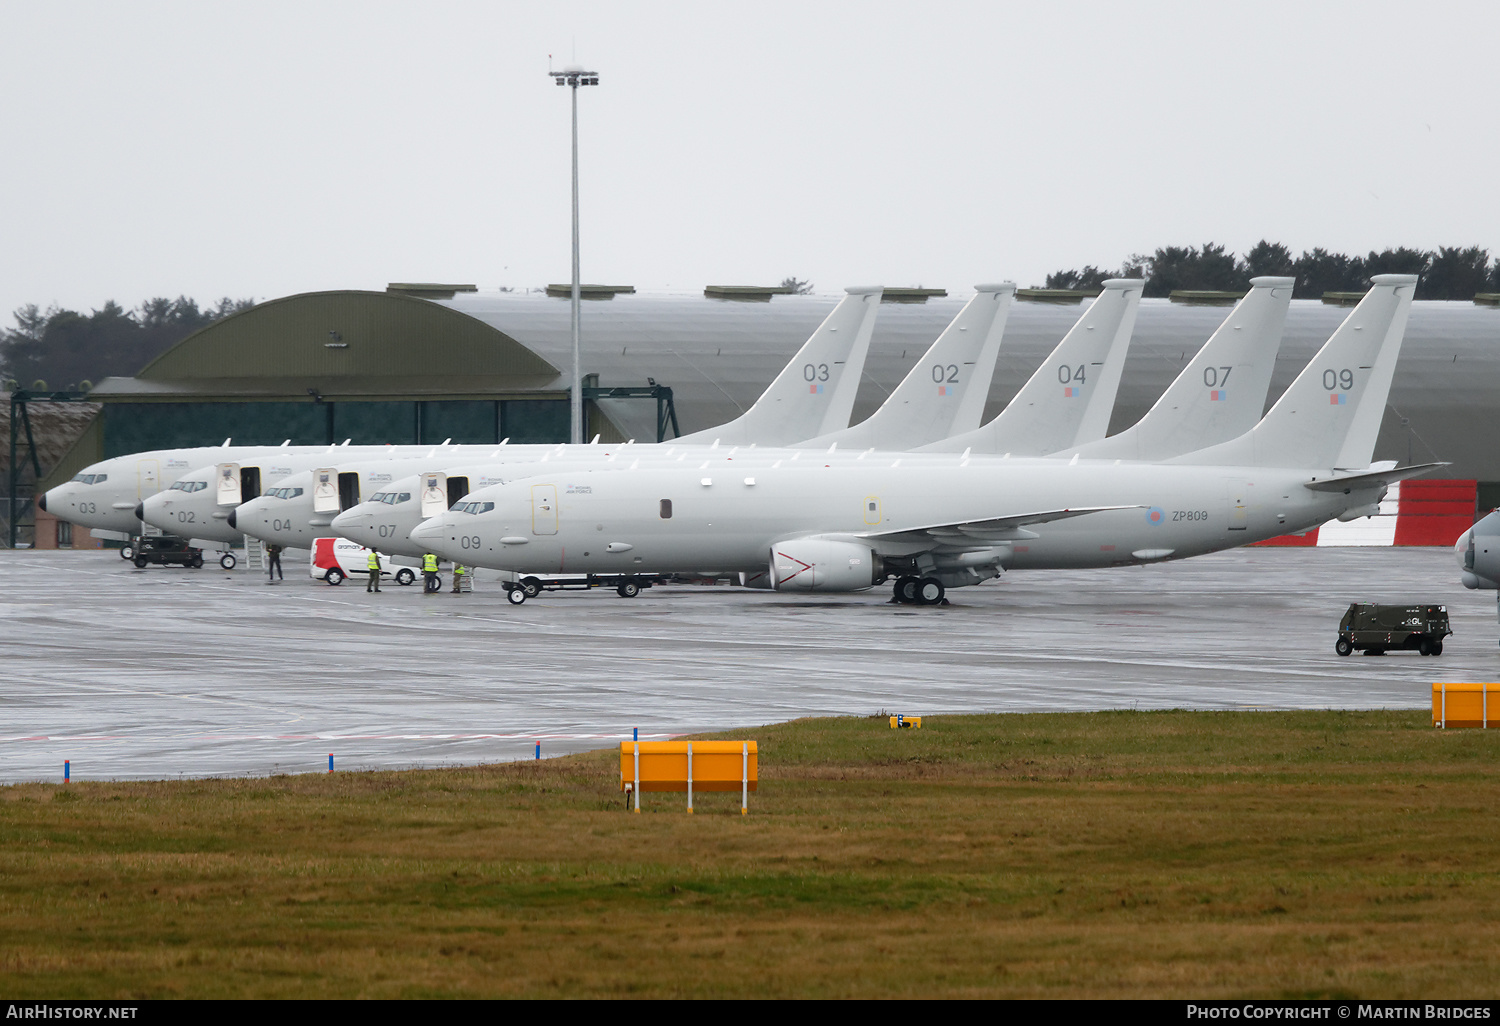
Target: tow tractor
[[518, 589]]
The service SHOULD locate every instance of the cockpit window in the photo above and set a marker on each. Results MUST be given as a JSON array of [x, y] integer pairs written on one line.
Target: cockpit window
[[391, 498], [89, 479], [182, 486], [473, 507], [283, 493]]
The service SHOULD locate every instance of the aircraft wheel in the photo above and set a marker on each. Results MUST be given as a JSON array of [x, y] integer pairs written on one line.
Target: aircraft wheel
[[906, 590], [140, 562], [228, 561], [532, 586], [405, 576], [197, 563], [334, 576], [1342, 646], [515, 595], [127, 551], [929, 591], [628, 589]]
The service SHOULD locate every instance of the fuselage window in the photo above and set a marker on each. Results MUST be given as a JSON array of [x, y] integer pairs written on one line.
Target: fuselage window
[[666, 509]]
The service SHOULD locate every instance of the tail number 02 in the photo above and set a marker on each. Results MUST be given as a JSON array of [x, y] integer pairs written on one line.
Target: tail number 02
[[1334, 380], [1071, 375], [815, 371], [1216, 377], [945, 375]]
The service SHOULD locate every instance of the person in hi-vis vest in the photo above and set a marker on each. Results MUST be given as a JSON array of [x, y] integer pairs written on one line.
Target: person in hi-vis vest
[[431, 582], [458, 577], [374, 565]]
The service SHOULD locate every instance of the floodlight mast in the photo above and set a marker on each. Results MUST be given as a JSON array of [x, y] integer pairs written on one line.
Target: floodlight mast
[[573, 77]]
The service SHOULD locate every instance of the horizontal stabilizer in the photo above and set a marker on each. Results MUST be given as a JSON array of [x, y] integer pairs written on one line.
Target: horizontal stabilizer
[[1370, 478]]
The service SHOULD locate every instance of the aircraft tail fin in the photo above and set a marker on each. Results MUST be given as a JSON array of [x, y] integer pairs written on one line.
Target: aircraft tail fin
[[1220, 394], [814, 393], [1071, 395], [1329, 416], [944, 393]]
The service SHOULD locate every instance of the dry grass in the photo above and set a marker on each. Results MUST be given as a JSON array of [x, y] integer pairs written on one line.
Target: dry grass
[[1111, 854]]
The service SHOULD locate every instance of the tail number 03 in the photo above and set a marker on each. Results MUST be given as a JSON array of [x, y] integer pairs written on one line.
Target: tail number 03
[[1334, 380], [815, 371]]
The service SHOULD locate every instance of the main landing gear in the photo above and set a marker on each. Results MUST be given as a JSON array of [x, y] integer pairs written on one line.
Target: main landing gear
[[919, 591]]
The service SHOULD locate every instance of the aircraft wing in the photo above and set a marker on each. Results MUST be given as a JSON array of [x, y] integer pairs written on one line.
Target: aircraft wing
[[1370, 478], [974, 533]]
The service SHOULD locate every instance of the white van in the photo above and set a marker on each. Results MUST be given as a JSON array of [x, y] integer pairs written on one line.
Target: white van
[[334, 559]]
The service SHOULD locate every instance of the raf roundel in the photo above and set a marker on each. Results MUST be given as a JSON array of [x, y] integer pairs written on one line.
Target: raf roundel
[[1155, 515]]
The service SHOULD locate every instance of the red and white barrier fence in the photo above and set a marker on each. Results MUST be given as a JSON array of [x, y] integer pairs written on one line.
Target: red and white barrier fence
[[1412, 513]]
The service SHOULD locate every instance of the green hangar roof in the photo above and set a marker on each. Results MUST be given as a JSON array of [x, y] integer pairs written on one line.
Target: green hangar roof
[[340, 344]]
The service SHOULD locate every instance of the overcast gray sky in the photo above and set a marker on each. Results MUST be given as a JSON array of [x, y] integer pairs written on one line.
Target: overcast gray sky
[[262, 149]]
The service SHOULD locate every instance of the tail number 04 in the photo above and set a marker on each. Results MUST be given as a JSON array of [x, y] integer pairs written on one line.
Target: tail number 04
[[815, 371], [1071, 375], [1334, 380], [945, 375]]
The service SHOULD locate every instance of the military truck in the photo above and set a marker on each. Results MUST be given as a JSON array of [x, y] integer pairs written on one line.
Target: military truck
[[1373, 629]]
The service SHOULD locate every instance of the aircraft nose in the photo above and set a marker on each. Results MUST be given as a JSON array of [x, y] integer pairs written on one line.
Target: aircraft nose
[[428, 530], [41, 503], [140, 511], [232, 515]]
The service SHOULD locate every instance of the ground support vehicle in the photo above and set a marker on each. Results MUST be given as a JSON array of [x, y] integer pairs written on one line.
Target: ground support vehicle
[[166, 550], [334, 559], [1374, 629], [518, 589]]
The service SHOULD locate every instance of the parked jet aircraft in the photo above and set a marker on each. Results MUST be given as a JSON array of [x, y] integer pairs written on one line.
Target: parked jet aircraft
[[845, 528]]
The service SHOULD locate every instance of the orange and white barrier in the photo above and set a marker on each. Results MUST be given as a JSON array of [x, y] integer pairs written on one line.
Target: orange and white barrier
[[1412, 513]]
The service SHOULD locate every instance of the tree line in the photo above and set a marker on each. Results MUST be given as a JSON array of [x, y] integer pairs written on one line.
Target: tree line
[[65, 349], [1448, 272]]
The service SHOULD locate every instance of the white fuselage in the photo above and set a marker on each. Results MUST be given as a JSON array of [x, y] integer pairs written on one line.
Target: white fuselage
[[613, 522]]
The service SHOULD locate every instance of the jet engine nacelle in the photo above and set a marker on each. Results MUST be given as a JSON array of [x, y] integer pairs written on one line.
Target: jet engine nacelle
[[1478, 551], [823, 564]]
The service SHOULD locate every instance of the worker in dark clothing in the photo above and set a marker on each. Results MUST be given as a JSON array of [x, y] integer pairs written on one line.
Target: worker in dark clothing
[[431, 583], [374, 564], [273, 563]]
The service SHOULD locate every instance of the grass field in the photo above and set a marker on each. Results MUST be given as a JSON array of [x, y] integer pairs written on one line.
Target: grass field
[[1127, 854]]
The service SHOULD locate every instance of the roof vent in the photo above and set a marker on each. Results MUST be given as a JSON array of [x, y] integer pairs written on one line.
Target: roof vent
[[1057, 295], [910, 295], [428, 289], [748, 293], [589, 291], [1205, 297]]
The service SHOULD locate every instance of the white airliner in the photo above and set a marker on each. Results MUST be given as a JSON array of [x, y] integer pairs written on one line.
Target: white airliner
[[848, 527], [112, 495]]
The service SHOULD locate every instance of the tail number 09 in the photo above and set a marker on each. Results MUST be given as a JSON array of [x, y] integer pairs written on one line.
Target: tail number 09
[[1334, 380], [469, 541]]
